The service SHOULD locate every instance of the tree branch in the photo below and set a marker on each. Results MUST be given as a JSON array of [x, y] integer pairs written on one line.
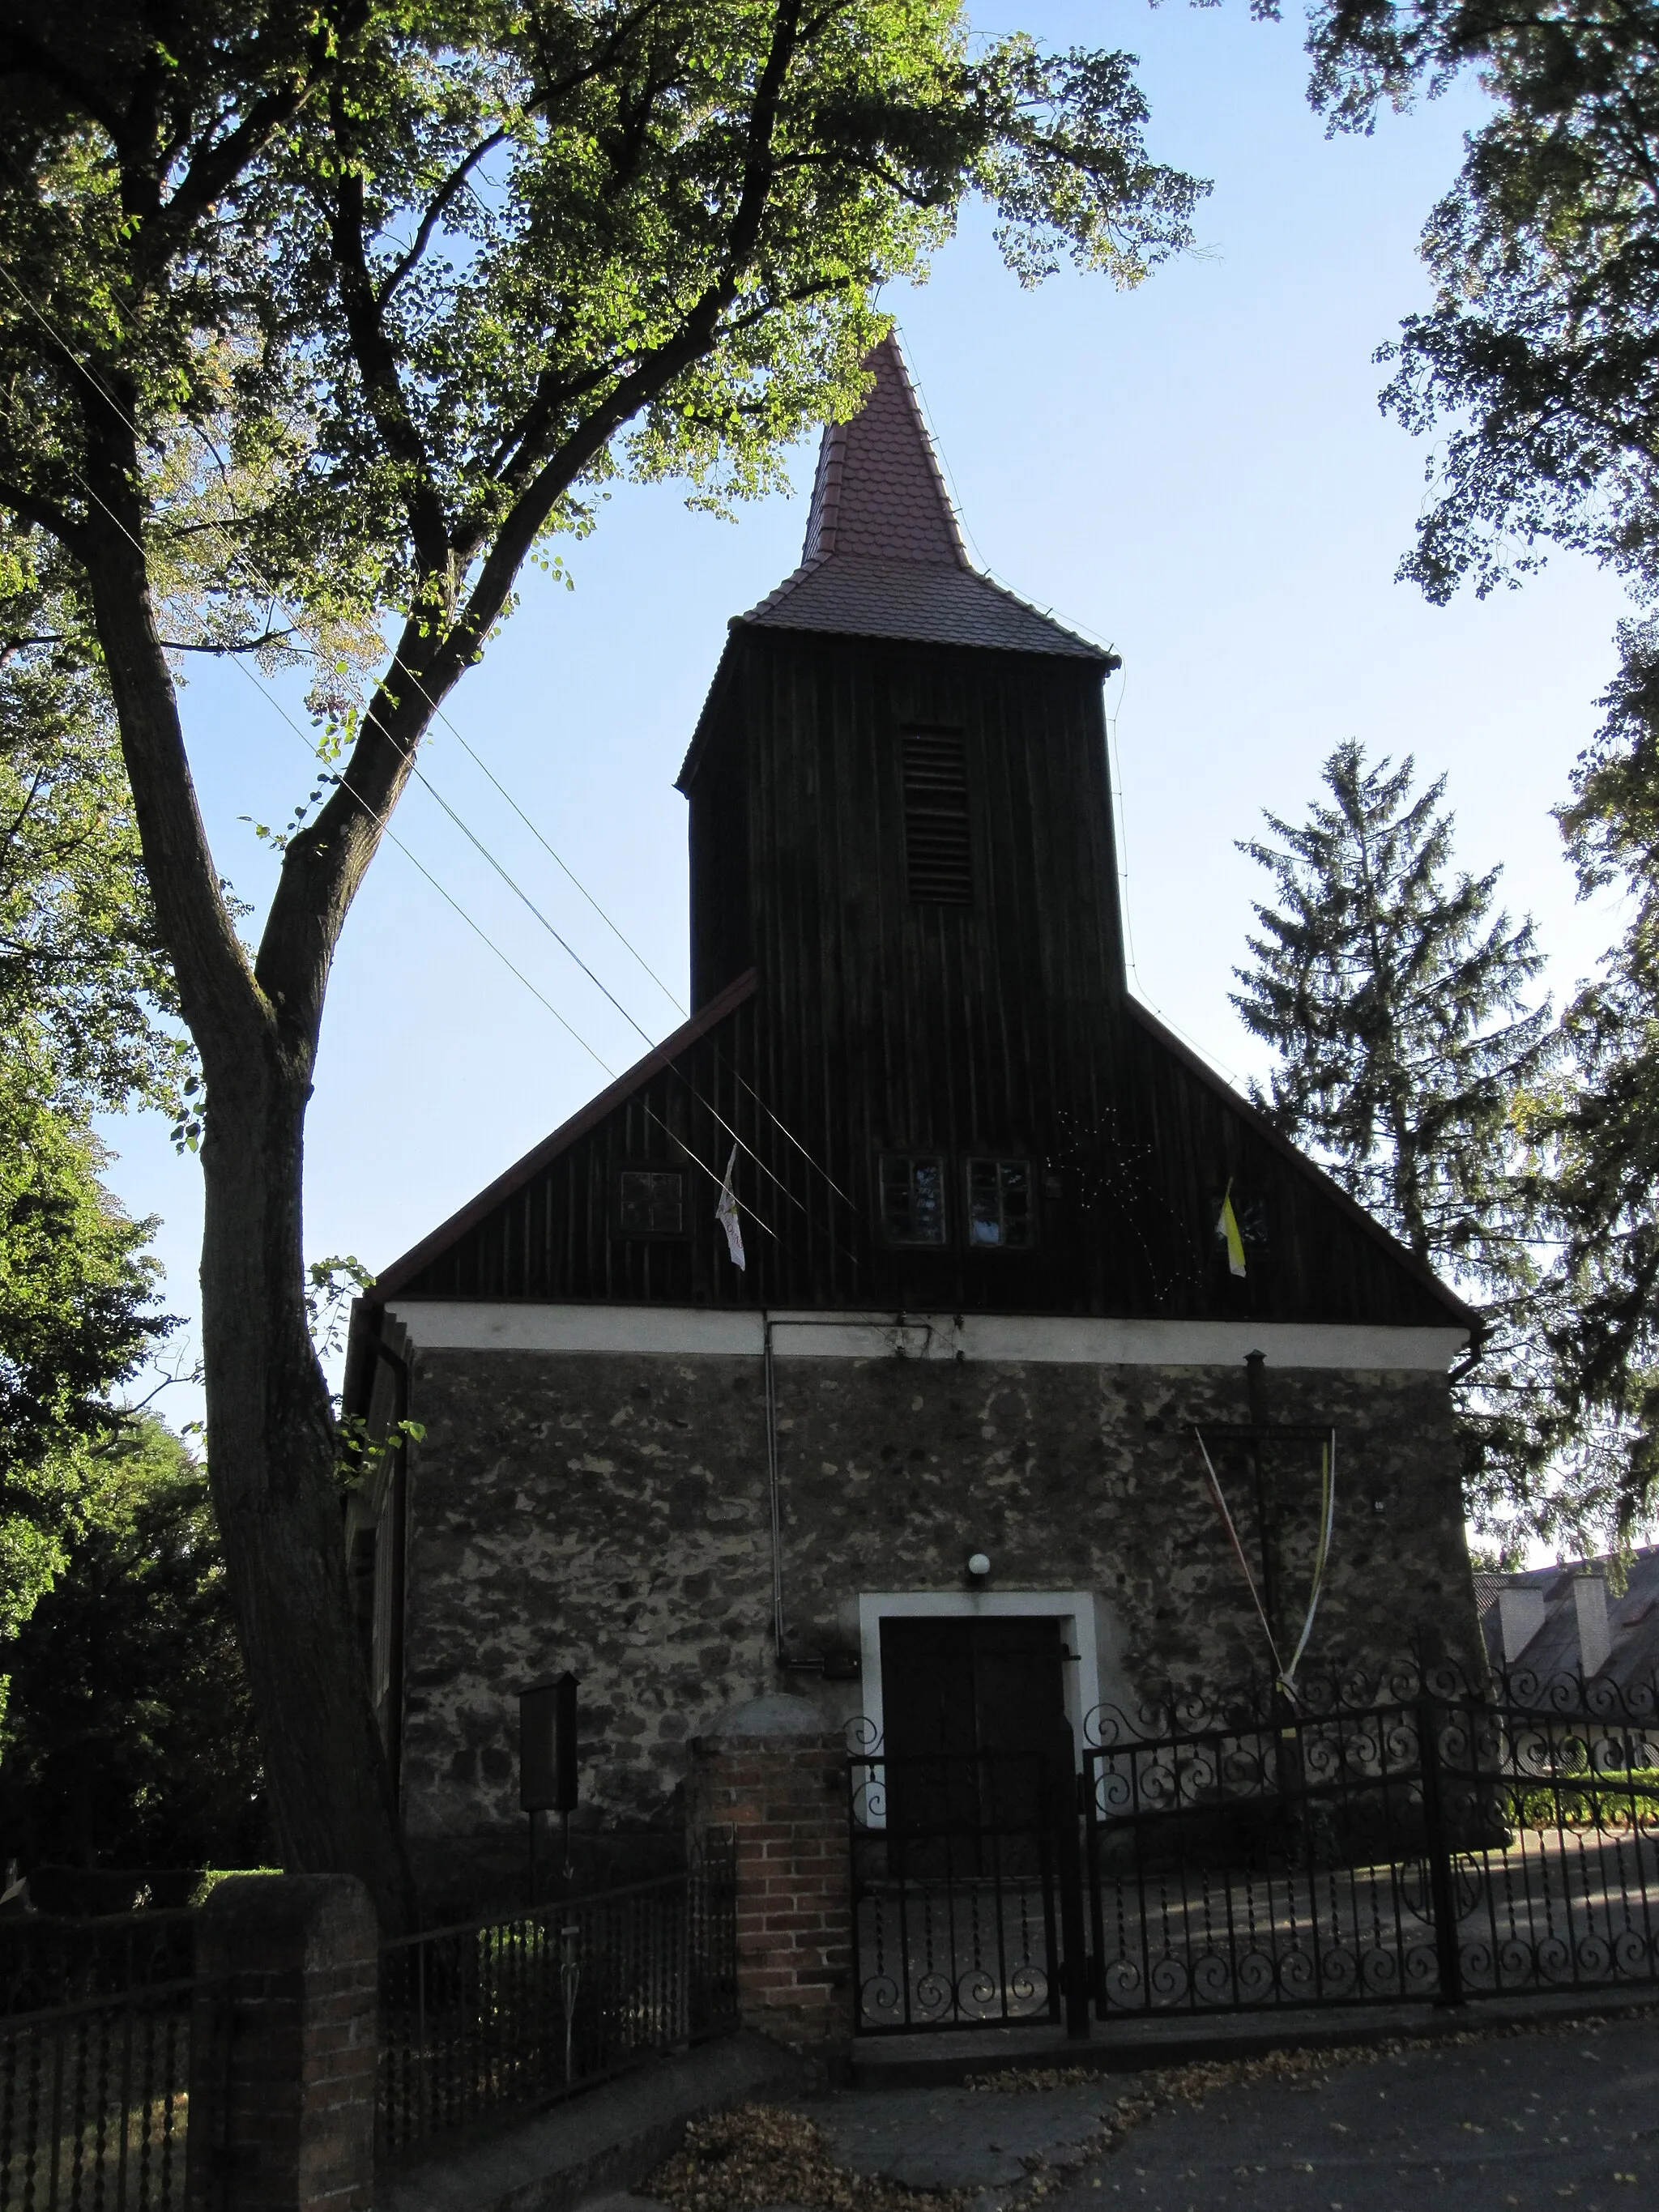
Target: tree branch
[[377, 362], [22, 55], [218, 997], [429, 222], [217, 167], [44, 513], [325, 864]]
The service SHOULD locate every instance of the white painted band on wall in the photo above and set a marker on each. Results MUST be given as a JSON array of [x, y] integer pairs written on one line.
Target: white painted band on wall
[[453, 1325]]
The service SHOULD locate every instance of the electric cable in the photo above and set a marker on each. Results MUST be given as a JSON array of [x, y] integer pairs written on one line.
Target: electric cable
[[437, 711], [383, 824], [440, 713]]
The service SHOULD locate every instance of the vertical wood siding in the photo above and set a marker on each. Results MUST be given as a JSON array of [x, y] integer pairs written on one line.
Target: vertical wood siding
[[882, 1023]]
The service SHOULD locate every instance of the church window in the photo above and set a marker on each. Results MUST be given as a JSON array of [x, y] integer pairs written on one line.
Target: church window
[[1000, 1214], [937, 859], [913, 1198], [651, 1202]]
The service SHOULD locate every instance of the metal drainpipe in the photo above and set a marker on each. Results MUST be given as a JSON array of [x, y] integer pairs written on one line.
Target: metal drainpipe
[[774, 1487], [397, 1499], [773, 1492]]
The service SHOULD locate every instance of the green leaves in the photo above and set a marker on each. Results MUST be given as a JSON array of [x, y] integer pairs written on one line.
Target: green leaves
[[1536, 361], [373, 284], [85, 988], [75, 1318], [128, 1737]]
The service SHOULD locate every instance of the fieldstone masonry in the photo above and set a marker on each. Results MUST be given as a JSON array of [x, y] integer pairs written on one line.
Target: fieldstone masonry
[[784, 1797], [609, 1511], [292, 2103]]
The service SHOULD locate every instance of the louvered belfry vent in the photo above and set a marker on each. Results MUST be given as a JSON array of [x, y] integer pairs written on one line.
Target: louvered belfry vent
[[937, 858]]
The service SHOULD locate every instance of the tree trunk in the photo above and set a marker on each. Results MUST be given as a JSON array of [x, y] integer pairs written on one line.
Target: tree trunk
[[272, 1461], [272, 1448]]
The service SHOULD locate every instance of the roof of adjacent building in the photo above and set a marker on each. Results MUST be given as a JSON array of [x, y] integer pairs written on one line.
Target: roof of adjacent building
[[883, 556], [1553, 1650]]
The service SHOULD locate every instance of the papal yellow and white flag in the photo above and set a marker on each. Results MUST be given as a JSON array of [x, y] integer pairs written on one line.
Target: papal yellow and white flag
[[726, 1213], [1228, 1227]]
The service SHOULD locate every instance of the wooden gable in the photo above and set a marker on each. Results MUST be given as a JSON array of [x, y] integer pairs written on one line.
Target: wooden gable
[[906, 947]]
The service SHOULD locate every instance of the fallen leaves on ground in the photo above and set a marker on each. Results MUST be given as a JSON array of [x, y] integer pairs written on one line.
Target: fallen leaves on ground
[[761, 2154], [765, 2155], [1154, 2091]]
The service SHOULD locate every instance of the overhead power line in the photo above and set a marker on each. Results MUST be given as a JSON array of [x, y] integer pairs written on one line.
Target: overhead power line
[[382, 823]]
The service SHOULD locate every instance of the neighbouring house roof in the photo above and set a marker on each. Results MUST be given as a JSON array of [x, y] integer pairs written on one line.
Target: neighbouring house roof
[[1553, 1648], [883, 556]]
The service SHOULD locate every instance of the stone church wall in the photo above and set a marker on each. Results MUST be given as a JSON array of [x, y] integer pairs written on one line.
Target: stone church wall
[[609, 1513]]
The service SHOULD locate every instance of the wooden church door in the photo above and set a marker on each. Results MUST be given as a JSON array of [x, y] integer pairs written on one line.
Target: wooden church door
[[969, 1711], [961, 1686]]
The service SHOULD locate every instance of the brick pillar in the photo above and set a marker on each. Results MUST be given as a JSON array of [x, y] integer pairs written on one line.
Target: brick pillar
[[288, 2066], [785, 1799]]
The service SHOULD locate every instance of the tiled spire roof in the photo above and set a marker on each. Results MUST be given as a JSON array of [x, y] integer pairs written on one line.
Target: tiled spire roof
[[884, 556], [878, 494]]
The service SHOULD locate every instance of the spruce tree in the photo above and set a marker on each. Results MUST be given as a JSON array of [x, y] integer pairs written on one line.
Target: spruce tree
[[1396, 999], [1593, 1427]]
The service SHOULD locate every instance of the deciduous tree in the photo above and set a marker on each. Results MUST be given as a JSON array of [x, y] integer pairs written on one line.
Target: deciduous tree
[[318, 317], [128, 1738], [76, 1317], [1537, 368]]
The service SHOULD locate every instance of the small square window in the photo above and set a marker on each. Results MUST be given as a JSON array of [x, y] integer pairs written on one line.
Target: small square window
[[1249, 1212], [913, 1198], [651, 1202], [1001, 1214]]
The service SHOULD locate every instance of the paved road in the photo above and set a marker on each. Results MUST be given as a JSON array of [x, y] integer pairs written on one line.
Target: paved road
[[1529, 2123]]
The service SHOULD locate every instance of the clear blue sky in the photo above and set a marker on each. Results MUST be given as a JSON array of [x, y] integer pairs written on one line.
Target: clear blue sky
[[1197, 472]]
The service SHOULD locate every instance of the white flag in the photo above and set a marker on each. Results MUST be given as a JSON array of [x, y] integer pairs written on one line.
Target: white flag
[[726, 1213]]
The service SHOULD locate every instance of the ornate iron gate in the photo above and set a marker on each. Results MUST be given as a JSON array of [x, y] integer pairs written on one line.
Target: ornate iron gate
[[1417, 1837], [967, 1889]]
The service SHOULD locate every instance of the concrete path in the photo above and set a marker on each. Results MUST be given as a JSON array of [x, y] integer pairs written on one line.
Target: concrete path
[[1563, 2118], [1533, 2121], [963, 2138], [1537, 2121]]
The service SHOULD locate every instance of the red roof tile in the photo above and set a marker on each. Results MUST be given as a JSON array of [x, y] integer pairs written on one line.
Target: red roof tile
[[884, 556]]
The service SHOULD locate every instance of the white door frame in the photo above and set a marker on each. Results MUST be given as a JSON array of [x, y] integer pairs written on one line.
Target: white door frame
[[1083, 1629]]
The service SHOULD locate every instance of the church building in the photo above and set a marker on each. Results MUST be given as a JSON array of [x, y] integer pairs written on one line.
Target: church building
[[921, 1331]]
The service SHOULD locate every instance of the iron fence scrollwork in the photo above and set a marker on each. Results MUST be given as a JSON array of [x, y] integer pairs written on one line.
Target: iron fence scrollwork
[[1416, 1836], [967, 1901], [1422, 1838]]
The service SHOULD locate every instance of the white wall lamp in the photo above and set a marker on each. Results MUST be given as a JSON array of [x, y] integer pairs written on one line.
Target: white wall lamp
[[979, 1565]]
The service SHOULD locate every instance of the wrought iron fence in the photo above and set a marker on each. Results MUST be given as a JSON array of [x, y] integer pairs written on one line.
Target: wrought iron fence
[[48, 1960], [1415, 1837], [522, 2011], [95, 2100], [959, 1887], [1419, 1838]]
